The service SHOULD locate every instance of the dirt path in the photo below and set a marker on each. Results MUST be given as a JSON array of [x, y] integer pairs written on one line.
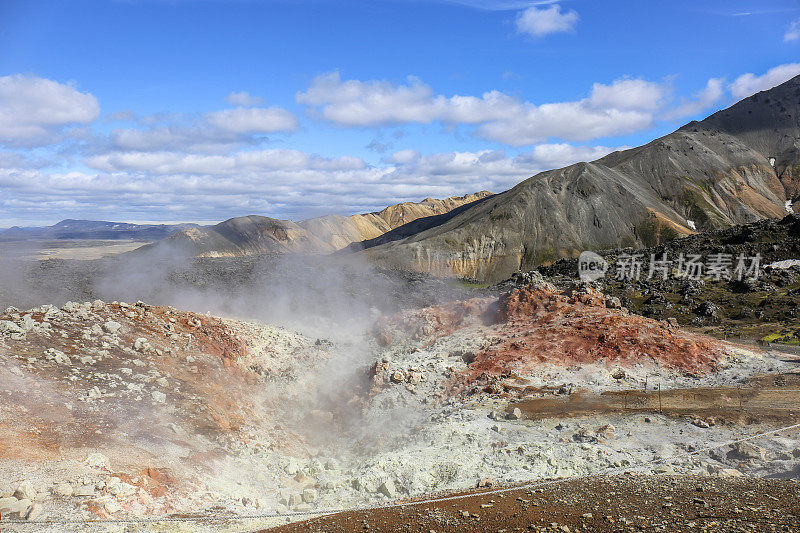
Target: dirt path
[[621, 503]]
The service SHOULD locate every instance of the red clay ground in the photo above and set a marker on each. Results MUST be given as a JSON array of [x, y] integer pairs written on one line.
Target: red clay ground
[[532, 327], [621, 503]]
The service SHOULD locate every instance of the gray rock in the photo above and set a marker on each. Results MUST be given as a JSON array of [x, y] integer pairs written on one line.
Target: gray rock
[[84, 491], [62, 490], [7, 327], [15, 507], [295, 500], [388, 489], [516, 414], [111, 327], [747, 450], [7, 504], [141, 345], [112, 507], [34, 512], [25, 491], [309, 495], [123, 490]]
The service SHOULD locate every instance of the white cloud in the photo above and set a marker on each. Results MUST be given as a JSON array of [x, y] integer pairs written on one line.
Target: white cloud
[[711, 94], [403, 157], [166, 163], [547, 156], [33, 111], [214, 131], [792, 32], [624, 106], [276, 182], [538, 22], [253, 120], [627, 94], [244, 99], [359, 103], [749, 84]]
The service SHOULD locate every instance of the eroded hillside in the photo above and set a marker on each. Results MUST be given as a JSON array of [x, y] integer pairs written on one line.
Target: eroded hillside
[[737, 166]]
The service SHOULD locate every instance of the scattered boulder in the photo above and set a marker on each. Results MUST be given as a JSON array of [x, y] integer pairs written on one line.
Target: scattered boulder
[[747, 450], [25, 491], [388, 489], [295, 500], [606, 431], [112, 507], [62, 490], [707, 309], [96, 460], [309, 495], [84, 491], [7, 327], [34, 512], [123, 490], [112, 327], [515, 414], [141, 345]]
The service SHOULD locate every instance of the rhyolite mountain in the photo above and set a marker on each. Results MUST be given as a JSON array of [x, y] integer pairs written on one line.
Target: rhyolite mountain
[[93, 229], [253, 234], [739, 165]]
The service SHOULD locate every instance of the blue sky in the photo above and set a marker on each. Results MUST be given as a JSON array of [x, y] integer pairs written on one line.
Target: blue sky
[[204, 110]]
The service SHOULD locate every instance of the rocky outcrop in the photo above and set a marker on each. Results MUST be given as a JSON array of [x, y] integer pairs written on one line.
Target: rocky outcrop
[[737, 166]]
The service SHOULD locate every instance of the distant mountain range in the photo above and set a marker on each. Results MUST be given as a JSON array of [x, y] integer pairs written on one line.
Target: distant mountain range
[[93, 229], [252, 235], [739, 165]]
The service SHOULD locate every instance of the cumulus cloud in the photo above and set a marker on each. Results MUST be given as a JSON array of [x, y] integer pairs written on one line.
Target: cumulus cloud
[[275, 182], [215, 131], [749, 84], [244, 99], [166, 163], [538, 21], [624, 106], [711, 94], [34, 111], [253, 120], [792, 32]]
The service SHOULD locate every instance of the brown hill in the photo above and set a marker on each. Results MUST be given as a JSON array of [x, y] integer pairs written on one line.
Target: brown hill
[[253, 234]]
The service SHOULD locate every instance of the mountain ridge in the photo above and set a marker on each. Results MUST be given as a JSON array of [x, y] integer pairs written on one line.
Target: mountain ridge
[[255, 234], [738, 165]]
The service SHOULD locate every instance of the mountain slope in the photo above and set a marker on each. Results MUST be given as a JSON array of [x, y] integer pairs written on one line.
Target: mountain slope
[[709, 174], [252, 235]]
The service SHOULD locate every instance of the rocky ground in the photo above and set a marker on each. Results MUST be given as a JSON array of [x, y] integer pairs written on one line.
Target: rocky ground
[[116, 411], [766, 308], [618, 503]]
